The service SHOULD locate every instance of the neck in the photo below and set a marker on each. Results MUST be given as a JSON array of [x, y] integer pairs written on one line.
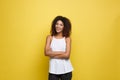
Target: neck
[[59, 34]]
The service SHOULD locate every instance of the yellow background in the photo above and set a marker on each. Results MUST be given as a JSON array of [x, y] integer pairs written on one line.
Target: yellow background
[[24, 25]]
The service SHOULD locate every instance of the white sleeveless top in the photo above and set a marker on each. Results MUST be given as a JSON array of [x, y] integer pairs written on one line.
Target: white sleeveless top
[[59, 66]]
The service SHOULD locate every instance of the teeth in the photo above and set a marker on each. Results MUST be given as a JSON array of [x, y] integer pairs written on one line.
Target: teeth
[[58, 30]]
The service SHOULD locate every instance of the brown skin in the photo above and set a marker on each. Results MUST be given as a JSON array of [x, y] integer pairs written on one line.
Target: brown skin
[[57, 54], [59, 26]]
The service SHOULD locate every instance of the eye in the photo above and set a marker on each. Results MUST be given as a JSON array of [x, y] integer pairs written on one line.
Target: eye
[[61, 24]]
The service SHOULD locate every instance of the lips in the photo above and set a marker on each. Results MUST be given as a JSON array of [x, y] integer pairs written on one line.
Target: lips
[[58, 30]]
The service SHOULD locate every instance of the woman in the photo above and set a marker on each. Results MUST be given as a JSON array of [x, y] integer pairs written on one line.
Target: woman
[[58, 47]]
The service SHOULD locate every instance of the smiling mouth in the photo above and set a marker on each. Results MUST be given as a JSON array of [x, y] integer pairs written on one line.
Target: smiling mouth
[[58, 30]]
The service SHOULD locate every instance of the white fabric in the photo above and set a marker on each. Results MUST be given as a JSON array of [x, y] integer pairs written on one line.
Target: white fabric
[[59, 66]]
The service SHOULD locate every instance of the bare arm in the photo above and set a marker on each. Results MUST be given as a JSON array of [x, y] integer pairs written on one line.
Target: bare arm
[[47, 49], [66, 54], [57, 54]]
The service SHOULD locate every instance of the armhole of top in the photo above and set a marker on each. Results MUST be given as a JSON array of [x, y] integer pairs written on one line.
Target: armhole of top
[[51, 37], [66, 39]]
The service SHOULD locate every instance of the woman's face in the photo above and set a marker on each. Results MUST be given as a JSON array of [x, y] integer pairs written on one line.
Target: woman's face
[[59, 26]]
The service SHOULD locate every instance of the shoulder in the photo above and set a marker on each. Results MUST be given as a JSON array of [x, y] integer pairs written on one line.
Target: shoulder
[[49, 37], [68, 39]]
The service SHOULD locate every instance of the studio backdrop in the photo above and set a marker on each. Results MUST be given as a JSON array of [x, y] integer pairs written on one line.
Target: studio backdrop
[[24, 25]]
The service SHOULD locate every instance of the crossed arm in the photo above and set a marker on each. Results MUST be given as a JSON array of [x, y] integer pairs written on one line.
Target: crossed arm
[[57, 54]]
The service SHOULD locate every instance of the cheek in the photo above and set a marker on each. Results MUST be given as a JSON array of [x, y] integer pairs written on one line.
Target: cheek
[[62, 27], [55, 26]]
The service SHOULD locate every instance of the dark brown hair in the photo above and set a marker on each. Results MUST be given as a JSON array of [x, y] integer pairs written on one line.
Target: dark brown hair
[[67, 26]]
